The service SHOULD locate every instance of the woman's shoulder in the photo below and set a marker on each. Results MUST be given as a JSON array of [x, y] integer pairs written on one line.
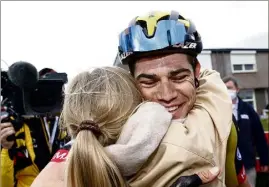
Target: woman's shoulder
[[61, 154]]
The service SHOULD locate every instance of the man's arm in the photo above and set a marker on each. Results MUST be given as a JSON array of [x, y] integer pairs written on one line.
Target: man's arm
[[259, 137], [7, 165], [7, 169]]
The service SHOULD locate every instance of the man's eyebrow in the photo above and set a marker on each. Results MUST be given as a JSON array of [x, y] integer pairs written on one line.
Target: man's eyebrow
[[175, 72], [148, 76]]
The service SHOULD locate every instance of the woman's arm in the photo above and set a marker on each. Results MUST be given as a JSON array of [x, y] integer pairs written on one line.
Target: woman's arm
[[53, 174], [140, 137]]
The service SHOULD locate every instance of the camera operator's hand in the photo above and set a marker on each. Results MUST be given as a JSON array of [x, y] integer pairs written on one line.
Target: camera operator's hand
[[6, 129]]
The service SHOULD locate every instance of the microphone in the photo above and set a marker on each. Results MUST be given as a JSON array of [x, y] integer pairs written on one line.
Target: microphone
[[23, 74]]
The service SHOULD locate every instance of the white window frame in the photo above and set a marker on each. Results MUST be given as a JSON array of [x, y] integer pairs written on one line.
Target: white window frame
[[253, 99], [242, 63]]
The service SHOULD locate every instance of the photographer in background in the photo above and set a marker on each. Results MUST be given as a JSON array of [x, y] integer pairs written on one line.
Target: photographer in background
[[36, 140]]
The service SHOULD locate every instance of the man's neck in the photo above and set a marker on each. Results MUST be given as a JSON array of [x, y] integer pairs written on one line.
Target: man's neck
[[180, 120]]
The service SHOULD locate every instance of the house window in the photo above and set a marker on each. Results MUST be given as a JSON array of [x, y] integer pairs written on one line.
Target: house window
[[248, 95], [243, 61]]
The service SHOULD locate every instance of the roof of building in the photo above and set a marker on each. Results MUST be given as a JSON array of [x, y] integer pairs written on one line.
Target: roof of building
[[235, 49], [258, 42]]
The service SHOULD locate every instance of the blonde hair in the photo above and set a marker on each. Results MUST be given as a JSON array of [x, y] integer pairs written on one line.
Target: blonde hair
[[106, 96]]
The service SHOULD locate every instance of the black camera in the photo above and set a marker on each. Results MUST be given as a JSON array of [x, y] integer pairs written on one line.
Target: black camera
[[47, 96], [25, 93]]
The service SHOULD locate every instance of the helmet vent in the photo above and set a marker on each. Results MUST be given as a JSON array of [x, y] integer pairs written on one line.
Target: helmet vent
[[164, 18], [169, 37], [143, 24]]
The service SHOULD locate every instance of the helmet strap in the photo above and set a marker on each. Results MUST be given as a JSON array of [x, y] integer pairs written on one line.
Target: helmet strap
[[196, 82]]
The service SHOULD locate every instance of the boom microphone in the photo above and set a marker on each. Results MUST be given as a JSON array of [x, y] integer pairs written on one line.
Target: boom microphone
[[23, 74]]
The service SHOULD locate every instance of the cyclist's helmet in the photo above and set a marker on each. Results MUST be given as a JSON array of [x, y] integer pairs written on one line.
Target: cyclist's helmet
[[157, 33]]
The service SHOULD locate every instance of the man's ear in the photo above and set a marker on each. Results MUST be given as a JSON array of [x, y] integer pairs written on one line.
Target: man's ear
[[197, 69]]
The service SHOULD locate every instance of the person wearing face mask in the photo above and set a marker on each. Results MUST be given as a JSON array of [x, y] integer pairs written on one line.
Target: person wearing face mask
[[251, 134], [233, 95]]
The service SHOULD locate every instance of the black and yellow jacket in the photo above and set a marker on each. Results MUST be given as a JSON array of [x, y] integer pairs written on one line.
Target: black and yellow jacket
[[30, 153]]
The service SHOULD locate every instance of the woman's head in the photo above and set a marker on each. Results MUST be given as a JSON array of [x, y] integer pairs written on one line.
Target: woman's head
[[106, 97]]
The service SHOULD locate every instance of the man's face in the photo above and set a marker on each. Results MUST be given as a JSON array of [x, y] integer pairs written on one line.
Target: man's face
[[232, 90], [168, 80], [231, 86]]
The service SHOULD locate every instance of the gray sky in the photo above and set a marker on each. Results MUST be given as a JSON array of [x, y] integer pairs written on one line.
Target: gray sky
[[73, 36]]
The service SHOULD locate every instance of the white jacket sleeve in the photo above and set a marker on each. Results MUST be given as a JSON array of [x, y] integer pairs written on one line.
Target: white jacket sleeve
[[140, 137]]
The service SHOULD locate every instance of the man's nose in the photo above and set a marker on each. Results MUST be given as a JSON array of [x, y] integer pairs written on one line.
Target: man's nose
[[167, 92]]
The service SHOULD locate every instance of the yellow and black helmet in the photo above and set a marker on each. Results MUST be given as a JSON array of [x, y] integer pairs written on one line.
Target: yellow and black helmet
[[158, 32]]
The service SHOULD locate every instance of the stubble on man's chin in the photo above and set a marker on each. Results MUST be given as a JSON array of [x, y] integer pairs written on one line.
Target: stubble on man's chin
[[190, 106]]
